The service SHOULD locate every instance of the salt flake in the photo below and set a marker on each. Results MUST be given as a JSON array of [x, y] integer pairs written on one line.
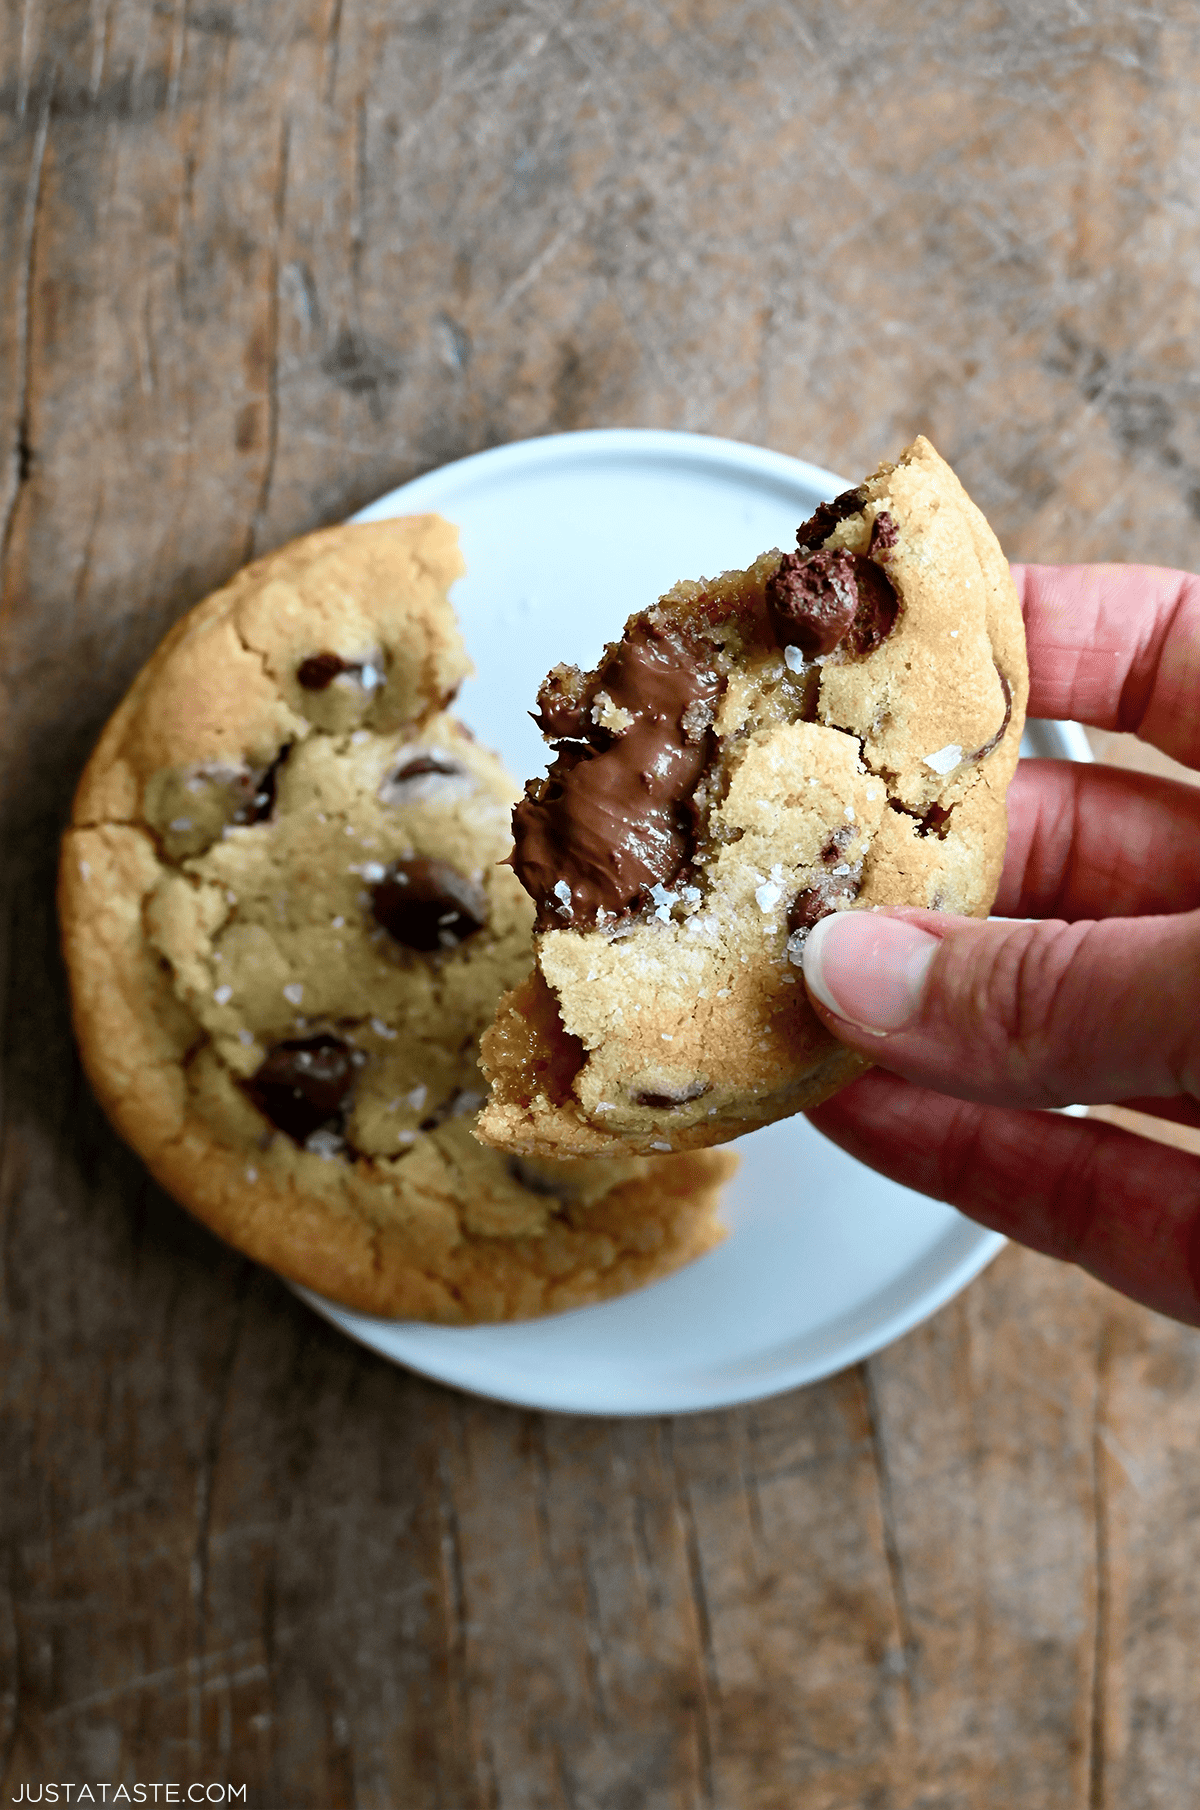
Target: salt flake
[[944, 760]]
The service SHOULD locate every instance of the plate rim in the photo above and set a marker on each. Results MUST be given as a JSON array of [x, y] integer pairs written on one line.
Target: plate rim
[[1065, 740]]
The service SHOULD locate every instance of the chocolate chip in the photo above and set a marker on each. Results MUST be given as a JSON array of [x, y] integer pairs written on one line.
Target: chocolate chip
[[260, 804], [816, 902], [425, 764], [807, 908], [818, 600], [884, 535], [838, 843], [932, 821], [812, 600], [825, 518], [427, 904], [540, 1179], [994, 741], [320, 670], [302, 1084], [665, 1102], [878, 607]]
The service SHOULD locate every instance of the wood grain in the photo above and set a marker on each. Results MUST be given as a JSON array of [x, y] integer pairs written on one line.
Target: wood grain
[[258, 263]]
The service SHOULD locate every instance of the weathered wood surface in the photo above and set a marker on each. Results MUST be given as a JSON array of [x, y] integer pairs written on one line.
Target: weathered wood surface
[[259, 262]]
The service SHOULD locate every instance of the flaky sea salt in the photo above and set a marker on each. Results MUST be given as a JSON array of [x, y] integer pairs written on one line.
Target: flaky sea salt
[[794, 658], [562, 893], [223, 995], [768, 895], [381, 1029], [944, 760], [293, 993]]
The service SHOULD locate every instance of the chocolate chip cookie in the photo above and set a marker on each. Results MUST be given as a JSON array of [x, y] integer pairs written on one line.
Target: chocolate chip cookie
[[286, 927], [832, 729]]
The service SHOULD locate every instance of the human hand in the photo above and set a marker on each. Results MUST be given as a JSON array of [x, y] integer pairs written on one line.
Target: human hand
[[1095, 1000]]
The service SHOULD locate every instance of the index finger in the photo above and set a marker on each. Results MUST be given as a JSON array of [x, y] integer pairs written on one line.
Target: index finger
[[1117, 647]]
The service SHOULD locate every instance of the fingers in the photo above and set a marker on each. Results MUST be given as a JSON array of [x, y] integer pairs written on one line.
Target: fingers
[[1123, 1208], [1018, 1014], [1099, 842], [1117, 647]]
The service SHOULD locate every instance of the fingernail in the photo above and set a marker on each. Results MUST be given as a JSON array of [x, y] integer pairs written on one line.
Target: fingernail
[[869, 969]]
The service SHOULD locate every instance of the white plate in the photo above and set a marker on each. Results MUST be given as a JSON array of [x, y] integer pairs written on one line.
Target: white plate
[[826, 1262]]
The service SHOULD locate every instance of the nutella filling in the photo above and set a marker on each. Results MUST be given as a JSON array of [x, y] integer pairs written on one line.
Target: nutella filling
[[614, 816]]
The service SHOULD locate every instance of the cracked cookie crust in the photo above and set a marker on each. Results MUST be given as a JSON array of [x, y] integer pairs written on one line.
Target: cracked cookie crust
[[832, 729], [286, 926]]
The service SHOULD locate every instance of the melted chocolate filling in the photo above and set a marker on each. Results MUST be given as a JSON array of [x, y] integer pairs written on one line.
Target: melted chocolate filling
[[428, 905], [302, 1084], [614, 817]]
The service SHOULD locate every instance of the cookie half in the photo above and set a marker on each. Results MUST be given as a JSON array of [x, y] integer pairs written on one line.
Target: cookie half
[[830, 730], [286, 927]]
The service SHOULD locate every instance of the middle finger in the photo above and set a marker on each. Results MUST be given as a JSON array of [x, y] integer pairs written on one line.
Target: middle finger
[[1099, 842]]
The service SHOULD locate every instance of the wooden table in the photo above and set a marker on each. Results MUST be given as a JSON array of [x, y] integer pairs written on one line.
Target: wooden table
[[260, 261]]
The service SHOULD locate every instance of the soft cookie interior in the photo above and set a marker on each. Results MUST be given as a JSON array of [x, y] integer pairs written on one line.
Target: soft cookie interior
[[827, 730]]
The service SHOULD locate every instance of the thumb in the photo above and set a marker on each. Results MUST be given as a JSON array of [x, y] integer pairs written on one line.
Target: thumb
[[1017, 1013]]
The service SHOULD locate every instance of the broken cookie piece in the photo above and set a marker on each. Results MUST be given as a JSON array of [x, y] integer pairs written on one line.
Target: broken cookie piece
[[287, 924], [831, 729]]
